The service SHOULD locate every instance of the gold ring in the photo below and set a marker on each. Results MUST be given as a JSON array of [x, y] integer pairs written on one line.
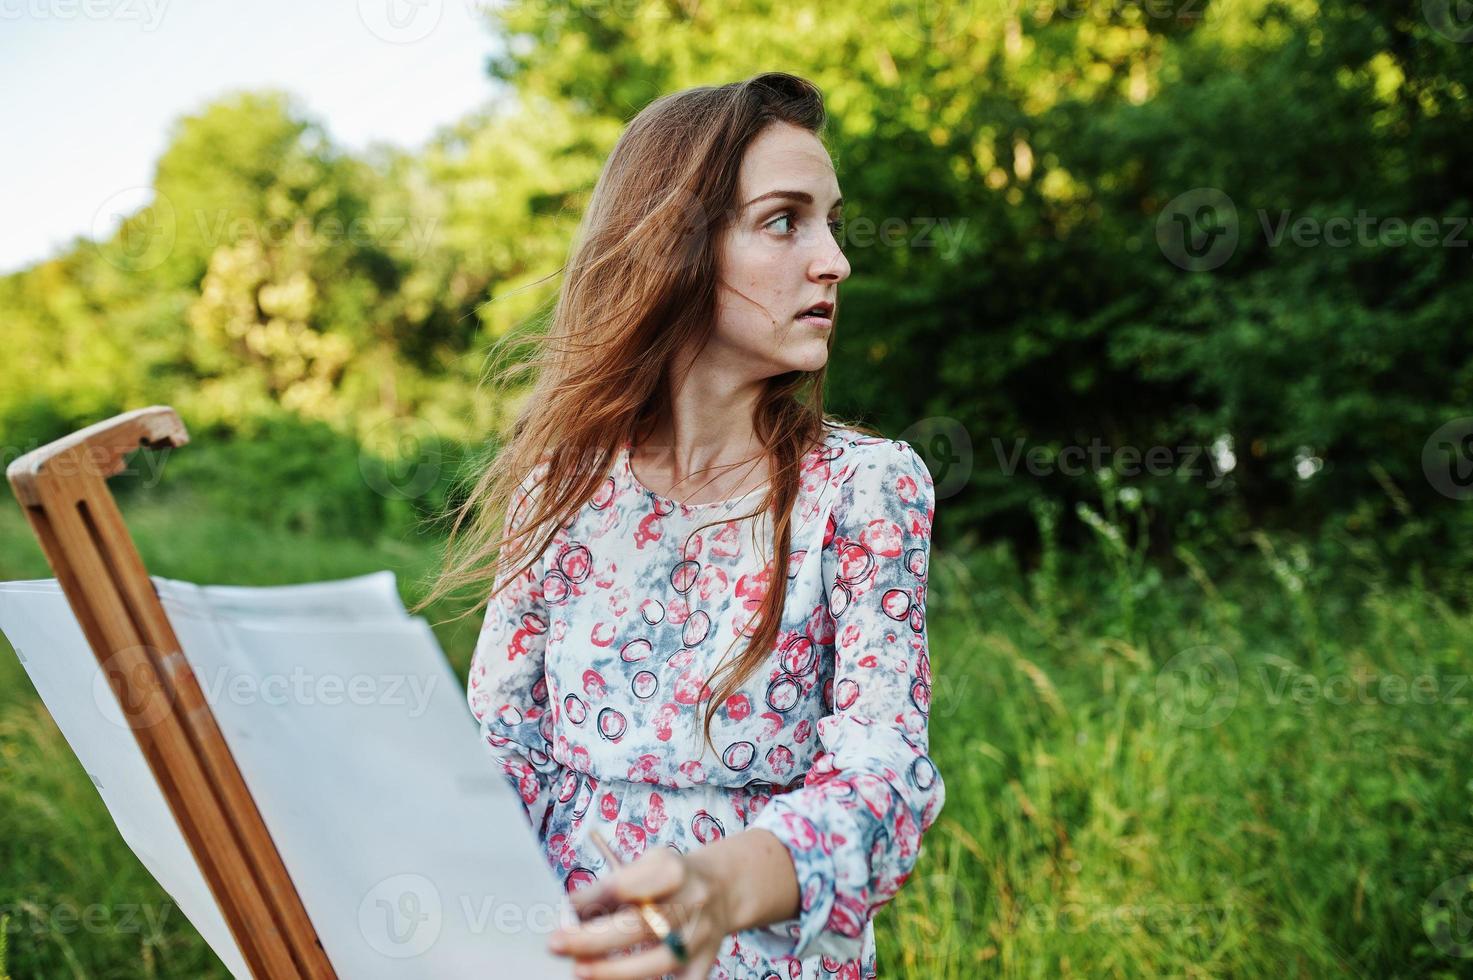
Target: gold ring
[[657, 922]]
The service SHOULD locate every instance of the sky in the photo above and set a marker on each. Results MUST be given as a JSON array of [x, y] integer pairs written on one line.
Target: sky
[[92, 87]]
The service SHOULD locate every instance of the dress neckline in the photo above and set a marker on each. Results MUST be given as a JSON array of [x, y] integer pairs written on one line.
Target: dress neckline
[[625, 453], [626, 464]]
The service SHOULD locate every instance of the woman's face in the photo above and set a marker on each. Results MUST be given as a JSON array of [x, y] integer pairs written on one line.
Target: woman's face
[[779, 256]]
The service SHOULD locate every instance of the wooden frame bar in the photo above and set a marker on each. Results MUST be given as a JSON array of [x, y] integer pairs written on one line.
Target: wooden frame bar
[[62, 487]]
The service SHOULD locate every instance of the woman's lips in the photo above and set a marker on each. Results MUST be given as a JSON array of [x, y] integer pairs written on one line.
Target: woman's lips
[[820, 314]]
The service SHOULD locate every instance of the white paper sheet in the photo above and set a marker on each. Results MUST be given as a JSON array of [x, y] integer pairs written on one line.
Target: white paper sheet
[[412, 854]]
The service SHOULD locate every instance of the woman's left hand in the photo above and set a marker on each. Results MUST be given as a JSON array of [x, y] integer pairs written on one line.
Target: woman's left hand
[[683, 890]]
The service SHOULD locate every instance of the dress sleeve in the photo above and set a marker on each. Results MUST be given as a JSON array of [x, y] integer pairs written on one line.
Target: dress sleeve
[[507, 686], [854, 827]]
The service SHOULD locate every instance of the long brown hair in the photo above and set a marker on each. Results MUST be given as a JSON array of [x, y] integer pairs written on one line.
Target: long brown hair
[[640, 288]]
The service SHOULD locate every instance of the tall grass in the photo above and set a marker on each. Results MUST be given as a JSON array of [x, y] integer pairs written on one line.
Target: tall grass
[[1155, 775], [1184, 772]]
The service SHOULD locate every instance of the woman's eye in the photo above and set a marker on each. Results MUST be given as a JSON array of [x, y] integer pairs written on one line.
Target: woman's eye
[[836, 225]]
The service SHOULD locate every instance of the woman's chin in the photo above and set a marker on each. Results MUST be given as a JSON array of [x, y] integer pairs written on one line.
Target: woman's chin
[[810, 357]]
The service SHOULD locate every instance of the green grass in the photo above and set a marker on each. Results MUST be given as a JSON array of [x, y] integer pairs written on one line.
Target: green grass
[[1115, 807], [1175, 777]]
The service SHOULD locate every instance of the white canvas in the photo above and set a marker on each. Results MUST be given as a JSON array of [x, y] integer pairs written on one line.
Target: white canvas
[[411, 852]]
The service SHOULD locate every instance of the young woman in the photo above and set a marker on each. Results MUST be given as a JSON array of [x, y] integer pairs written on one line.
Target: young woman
[[674, 492]]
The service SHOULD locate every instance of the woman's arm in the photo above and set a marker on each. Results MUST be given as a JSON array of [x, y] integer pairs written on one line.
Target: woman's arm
[[756, 875], [854, 827], [505, 685]]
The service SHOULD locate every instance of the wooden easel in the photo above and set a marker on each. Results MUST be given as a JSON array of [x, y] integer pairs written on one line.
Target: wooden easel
[[62, 487]]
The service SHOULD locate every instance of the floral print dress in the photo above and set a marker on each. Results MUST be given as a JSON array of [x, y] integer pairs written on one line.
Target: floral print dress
[[589, 681]]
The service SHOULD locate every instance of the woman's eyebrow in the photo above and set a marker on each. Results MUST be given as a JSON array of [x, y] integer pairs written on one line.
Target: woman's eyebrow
[[801, 196]]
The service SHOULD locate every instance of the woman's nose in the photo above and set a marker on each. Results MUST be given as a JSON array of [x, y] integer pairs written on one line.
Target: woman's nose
[[830, 263]]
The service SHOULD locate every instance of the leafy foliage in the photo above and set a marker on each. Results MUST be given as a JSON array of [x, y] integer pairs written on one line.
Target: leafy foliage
[[1015, 177]]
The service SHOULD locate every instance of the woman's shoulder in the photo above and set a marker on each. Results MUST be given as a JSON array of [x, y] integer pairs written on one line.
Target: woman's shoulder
[[853, 451], [859, 474], [876, 477]]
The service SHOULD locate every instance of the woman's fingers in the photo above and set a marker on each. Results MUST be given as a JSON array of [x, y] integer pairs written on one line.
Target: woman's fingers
[[699, 968], [611, 921], [653, 875], [606, 933], [654, 962]]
